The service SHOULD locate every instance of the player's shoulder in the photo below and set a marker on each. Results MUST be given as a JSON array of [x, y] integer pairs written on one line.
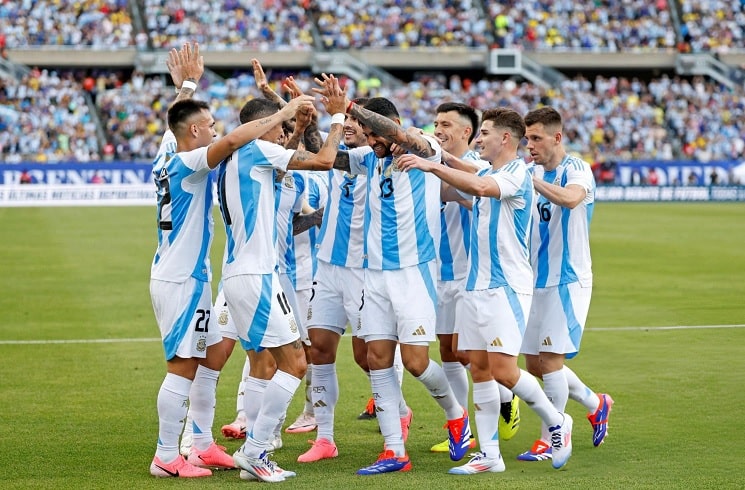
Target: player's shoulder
[[576, 163]]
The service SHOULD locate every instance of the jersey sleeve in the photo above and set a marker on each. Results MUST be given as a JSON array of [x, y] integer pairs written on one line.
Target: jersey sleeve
[[509, 181], [359, 161], [196, 159], [579, 173], [275, 155]]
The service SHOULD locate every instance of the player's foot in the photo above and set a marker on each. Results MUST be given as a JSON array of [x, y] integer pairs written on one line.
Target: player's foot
[[540, 451], [599, 419], [178, 468], [262, 467], [369, 412], [235, 429], [275, 443], [479, 463], [212, 457], [387, 462], [561, 442], [444, 446], [459, 436], [184, 446], [322, 449], [245, 475], [406, 423], [509, 419], [305, 422]]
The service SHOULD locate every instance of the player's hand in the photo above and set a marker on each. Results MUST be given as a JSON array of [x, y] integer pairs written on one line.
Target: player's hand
[[259, 76], [335, 98], [191, 61], [409, 161], [291, 109]]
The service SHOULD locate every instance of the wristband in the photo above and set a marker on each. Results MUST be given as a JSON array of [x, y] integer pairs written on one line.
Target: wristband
[[188, 84], [349, 107], [338, 118]]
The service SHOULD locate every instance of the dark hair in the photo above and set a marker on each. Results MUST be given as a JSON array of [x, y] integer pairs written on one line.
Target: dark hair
[[183, 110], [463, 110], [506, 118], [548, 116], [382, 106], [257, 108]]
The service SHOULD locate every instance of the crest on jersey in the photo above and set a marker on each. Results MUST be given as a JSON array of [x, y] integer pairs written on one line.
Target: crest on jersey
[[223, 318], [202, 345], [310, 313], [289, 181], [293, 324]]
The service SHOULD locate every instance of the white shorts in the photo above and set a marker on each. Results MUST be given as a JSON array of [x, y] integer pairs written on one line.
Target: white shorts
[[260, 310], [493, 320], [449, 294], [400, 304], [557, 319], [224, 320], [299, 303], [182, 310], [336, 298]]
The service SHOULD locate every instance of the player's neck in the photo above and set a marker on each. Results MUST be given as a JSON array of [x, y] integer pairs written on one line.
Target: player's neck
[[555, 160]]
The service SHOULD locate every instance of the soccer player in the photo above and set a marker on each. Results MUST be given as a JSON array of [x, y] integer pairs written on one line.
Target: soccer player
[[562, 267], [180, 274], [256, 301], [499, 286], [402, 229]]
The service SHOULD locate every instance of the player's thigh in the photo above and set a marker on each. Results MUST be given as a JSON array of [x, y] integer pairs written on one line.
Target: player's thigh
[[413, 294]]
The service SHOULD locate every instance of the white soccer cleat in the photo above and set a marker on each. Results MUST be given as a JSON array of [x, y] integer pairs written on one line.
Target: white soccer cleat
[[561, 442]]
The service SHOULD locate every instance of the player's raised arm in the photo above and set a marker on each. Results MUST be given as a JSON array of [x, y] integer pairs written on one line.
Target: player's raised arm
[[263, 85], [185, 65]]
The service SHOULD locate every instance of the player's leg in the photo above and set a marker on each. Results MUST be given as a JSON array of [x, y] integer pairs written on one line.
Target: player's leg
[[178, 308]]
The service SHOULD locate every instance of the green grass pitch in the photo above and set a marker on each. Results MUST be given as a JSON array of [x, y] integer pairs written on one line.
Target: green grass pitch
[[82, 415]]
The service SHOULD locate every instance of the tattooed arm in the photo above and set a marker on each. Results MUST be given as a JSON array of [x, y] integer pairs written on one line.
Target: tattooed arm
[[392, 131], [302, 222]]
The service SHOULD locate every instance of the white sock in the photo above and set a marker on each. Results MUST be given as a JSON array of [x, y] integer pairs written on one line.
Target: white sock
[[173, 398], [433, 378], [556, 389], [241, 387], [386, 393], [398, 365], [458, 380], [277, 398], [308, 408], [505, 394], [530, 391], [325, 396], [202, 406], [255, 389], [486, 404], [579, 392]]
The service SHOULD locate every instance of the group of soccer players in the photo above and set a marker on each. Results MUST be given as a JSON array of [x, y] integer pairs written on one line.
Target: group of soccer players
[[420, 237]]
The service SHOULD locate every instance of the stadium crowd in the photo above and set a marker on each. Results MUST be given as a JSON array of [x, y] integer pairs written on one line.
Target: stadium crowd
[[605, 119], [637, 25]]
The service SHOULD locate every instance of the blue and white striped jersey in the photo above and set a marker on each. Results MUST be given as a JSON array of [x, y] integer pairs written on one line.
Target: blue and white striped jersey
[[293, 252], [318, 196], [500, 230], [455, 223], [560, 239], [341, 238], [402, 214], [185, 224], [247, 202]]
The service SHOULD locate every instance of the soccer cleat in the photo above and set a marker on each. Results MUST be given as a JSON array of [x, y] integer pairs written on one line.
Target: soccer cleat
[[444, 446], [479, 463], [406, 423], [561, 442], [305, 422], [322, 449], [369, 412], [599, 419], [459, 436], [178, 468], [245, 475], [212, 457], [509, 420], [235, 429], [185, 445], [387, 462], [539, 452], [262, 467]]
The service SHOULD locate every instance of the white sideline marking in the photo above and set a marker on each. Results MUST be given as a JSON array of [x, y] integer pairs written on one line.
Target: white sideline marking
[[154, 339]]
